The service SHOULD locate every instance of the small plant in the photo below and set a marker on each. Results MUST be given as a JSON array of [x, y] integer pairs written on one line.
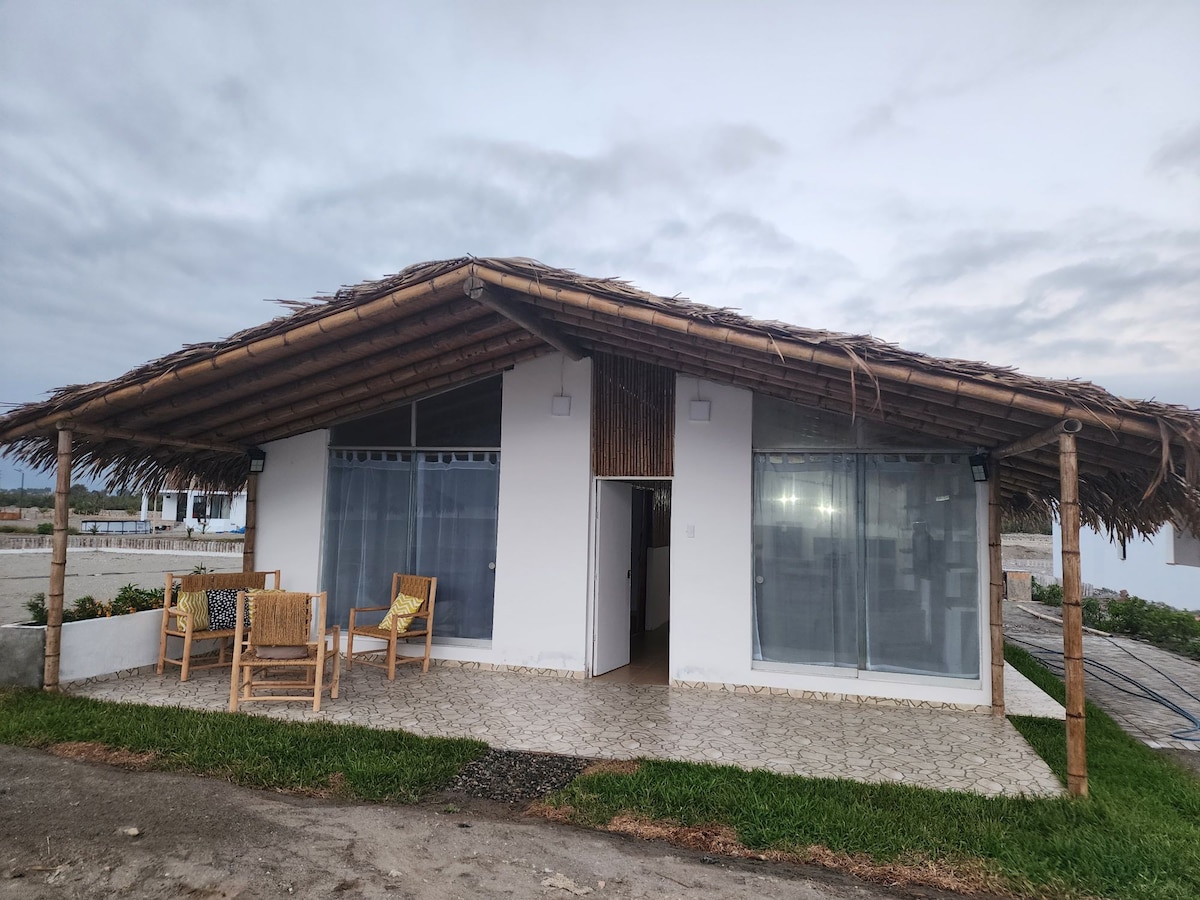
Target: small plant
[[190, 529], [93, 528], [45, 528], [1050, 594], [200, 569], [36, 607]]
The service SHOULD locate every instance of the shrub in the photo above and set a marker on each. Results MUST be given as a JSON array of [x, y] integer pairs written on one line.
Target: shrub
[[129, 599], [1050, 594], [45, 528]]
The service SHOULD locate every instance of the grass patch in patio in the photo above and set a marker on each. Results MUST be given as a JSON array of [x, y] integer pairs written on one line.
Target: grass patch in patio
[[302, 757], [1137, 836]]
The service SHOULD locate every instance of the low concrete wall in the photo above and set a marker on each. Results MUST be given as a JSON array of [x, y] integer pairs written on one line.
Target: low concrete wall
[[89, 648], [116, 542]]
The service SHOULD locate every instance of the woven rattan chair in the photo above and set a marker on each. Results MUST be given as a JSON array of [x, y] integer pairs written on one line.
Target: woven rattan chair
[[177, 623], [420, 627], [263, 667]]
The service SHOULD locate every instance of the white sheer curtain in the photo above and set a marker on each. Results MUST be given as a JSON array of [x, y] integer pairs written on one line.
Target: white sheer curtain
[[805, 559], [457, 501], [368, 523]]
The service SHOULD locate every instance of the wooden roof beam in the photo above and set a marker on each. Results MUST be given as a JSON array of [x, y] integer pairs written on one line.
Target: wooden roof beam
[[1041, 439], [152, 440], [474, 288]]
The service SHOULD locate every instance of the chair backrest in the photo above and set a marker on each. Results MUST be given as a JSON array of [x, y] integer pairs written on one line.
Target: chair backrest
[[421, 586], [282, 618], [251, 581]]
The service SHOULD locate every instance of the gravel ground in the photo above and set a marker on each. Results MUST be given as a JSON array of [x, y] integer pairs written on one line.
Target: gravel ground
[[100, 573], [507, 776]]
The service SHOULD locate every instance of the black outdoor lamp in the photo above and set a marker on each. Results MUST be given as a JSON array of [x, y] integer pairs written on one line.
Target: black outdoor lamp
[[979, 466], [258, 460]]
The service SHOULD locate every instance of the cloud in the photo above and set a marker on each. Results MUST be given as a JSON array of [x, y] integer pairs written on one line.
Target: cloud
[[1179, 153], [971, 252]]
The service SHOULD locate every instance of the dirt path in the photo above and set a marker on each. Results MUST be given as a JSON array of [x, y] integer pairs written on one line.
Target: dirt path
[[62, 821]]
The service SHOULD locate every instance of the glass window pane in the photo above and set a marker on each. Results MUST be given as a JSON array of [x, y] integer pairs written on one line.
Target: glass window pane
[[780, 425], [922, 585], [805, 559], [468, 416], [392, 428], [456, 512], [367, 528]]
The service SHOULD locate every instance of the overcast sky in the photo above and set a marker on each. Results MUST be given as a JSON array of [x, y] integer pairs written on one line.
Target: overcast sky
[[1012, 182]]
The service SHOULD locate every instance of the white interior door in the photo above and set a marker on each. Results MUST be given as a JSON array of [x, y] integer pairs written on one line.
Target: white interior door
[[610, 630]]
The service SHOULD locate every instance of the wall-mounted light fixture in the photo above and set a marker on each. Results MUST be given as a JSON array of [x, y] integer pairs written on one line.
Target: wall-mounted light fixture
[[700, 411], [979, 466], [560, 405], [258, 459]]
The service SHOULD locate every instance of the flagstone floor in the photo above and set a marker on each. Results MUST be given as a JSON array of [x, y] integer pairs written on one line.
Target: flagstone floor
[[940, 749]]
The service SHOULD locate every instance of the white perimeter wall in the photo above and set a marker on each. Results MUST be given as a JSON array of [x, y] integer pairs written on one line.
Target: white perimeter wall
[[291, 509], [712, 572], [545, 498], [1145, 571]]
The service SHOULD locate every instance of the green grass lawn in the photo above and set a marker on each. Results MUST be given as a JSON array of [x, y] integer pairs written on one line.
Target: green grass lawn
[[1137, 836], [347, 760]]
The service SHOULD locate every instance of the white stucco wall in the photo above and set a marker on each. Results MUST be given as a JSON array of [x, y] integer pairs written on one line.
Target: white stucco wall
[[712, 570], [710, 537], [291, 509], [1146, 570], [545, 498]]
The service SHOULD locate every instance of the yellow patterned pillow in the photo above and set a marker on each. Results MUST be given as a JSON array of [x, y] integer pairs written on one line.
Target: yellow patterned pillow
[[195, 605], [403, 606]]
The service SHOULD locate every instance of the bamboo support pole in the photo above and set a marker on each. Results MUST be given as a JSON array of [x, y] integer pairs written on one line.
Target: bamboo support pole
[[58, 562], [251, 535], [1041, 439], [1072, 615], [996, 591], [812, 353]]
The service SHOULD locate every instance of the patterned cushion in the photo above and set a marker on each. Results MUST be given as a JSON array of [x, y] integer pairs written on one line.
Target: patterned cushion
[[222, 609], [403, 606], [195, 605]]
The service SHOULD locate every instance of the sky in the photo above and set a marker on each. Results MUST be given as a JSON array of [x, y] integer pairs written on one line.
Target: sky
[[1010, 182]]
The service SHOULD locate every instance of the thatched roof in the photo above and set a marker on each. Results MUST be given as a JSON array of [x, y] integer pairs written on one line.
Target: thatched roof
[[375, 345]]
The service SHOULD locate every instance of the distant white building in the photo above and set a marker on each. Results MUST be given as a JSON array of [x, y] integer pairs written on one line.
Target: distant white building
[[208, 512], [1162, 569]]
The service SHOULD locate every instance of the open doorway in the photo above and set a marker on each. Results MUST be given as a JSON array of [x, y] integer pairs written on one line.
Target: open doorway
[[631, 594]]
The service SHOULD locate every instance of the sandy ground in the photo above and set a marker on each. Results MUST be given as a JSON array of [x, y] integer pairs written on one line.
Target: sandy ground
[[100, 573], [63, 834]]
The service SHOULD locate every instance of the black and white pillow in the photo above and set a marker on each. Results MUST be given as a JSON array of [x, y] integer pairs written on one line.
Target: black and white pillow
[[222, 609]]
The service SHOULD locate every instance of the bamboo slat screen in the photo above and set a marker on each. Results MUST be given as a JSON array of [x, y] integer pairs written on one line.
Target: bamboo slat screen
[[633, 418], [660, 533]]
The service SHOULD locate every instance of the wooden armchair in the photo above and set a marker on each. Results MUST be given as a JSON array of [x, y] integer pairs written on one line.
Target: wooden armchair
[[411, 585], [178, 622], [283, 622]]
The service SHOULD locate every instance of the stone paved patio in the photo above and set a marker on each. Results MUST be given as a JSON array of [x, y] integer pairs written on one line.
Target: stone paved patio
[[1141, 717], [939, 749]]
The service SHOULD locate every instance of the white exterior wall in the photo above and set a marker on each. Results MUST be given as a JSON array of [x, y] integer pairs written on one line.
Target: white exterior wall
[[712, 570], [291, 509], [711, 567], [1146, 571], [545, 499]]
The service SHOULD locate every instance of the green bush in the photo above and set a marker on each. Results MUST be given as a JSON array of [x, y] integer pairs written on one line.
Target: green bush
[[1050, 594], [1170, 628], [129, 599], [45, 528]]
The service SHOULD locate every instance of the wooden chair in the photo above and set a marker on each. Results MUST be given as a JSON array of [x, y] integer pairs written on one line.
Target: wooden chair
[[283, 621], [177, 623], [414, 586]]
